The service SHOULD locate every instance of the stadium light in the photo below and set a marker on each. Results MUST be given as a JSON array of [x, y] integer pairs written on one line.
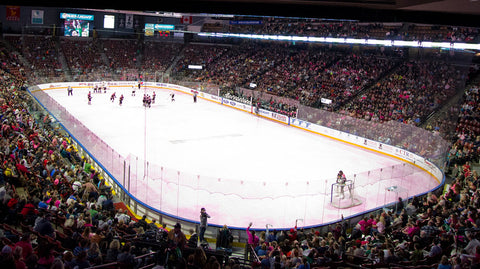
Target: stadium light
[[333, 40]]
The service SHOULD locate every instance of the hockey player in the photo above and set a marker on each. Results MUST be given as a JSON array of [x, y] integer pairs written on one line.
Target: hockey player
[[149, 101], [89, 97], [112, 97], [172, 96], [341, 180], [120, 100]]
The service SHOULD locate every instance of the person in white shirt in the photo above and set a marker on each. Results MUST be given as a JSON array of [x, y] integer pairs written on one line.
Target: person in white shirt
[[472, 243]]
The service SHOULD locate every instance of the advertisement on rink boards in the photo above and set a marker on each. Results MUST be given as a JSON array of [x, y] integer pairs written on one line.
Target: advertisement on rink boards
[[294, 122]]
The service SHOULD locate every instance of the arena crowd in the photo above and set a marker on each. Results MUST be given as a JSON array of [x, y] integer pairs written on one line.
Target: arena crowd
[[57, 212]]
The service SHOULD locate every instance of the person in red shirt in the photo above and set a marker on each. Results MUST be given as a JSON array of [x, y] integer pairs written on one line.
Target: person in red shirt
[[28, 208], [292, 236], [12, 203], [26, 245]]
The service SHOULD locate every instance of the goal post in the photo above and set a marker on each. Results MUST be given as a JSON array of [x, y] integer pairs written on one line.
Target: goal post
[[342, 195]]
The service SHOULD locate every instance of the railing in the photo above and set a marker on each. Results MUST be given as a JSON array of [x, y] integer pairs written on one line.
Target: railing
[[137, 260]]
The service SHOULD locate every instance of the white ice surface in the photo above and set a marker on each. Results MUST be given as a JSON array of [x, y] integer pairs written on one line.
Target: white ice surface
[[209, 140]]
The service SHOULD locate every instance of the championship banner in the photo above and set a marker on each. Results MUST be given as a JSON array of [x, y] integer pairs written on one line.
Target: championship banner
[[12, 13], [37, 16]]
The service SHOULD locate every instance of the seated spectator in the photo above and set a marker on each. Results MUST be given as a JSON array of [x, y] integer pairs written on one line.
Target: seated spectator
[[125, 257], [113, 251], [44, 227], [193, 240], [81, 260], [26, 245], [6, 257]]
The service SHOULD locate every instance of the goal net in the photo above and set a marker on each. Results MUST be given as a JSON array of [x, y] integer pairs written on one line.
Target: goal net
[[342, 195]]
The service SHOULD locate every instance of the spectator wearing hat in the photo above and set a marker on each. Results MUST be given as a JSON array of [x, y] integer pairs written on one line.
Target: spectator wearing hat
[[176, 244], [176, 237]]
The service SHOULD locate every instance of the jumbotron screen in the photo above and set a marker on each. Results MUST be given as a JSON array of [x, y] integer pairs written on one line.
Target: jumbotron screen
[[76, 24], [161, 29], [77, 28]]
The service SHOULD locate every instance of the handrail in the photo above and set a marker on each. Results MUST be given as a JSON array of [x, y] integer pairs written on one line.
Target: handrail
[[103, 265], [117, 263], [255, 256]]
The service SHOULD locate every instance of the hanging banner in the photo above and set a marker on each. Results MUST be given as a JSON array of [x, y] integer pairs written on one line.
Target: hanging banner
[[12, 13], [37, 16], [128, 21]]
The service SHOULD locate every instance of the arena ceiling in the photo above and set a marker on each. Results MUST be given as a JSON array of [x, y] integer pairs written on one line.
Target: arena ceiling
[[449, 12]]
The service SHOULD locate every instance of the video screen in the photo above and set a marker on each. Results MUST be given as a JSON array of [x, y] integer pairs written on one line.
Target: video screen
[[158, 30], [75, 27], [109, 22]]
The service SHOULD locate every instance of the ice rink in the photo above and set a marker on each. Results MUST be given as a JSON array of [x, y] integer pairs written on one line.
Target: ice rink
[[240, 167]]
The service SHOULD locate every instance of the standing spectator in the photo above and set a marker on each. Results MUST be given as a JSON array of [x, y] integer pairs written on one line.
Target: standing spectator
[[252, 243], [224, 238], [203, 224], [176, 237]]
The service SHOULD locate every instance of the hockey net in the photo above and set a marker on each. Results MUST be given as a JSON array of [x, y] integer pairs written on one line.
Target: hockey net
[[342, 195]]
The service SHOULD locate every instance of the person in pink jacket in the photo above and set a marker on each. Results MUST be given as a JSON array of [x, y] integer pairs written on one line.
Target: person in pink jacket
[[252, 243]]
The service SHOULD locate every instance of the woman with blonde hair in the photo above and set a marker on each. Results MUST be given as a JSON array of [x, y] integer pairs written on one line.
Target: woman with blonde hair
[[80, 221], [381, 224], [112, 251], [69, 222], [94, 255]]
